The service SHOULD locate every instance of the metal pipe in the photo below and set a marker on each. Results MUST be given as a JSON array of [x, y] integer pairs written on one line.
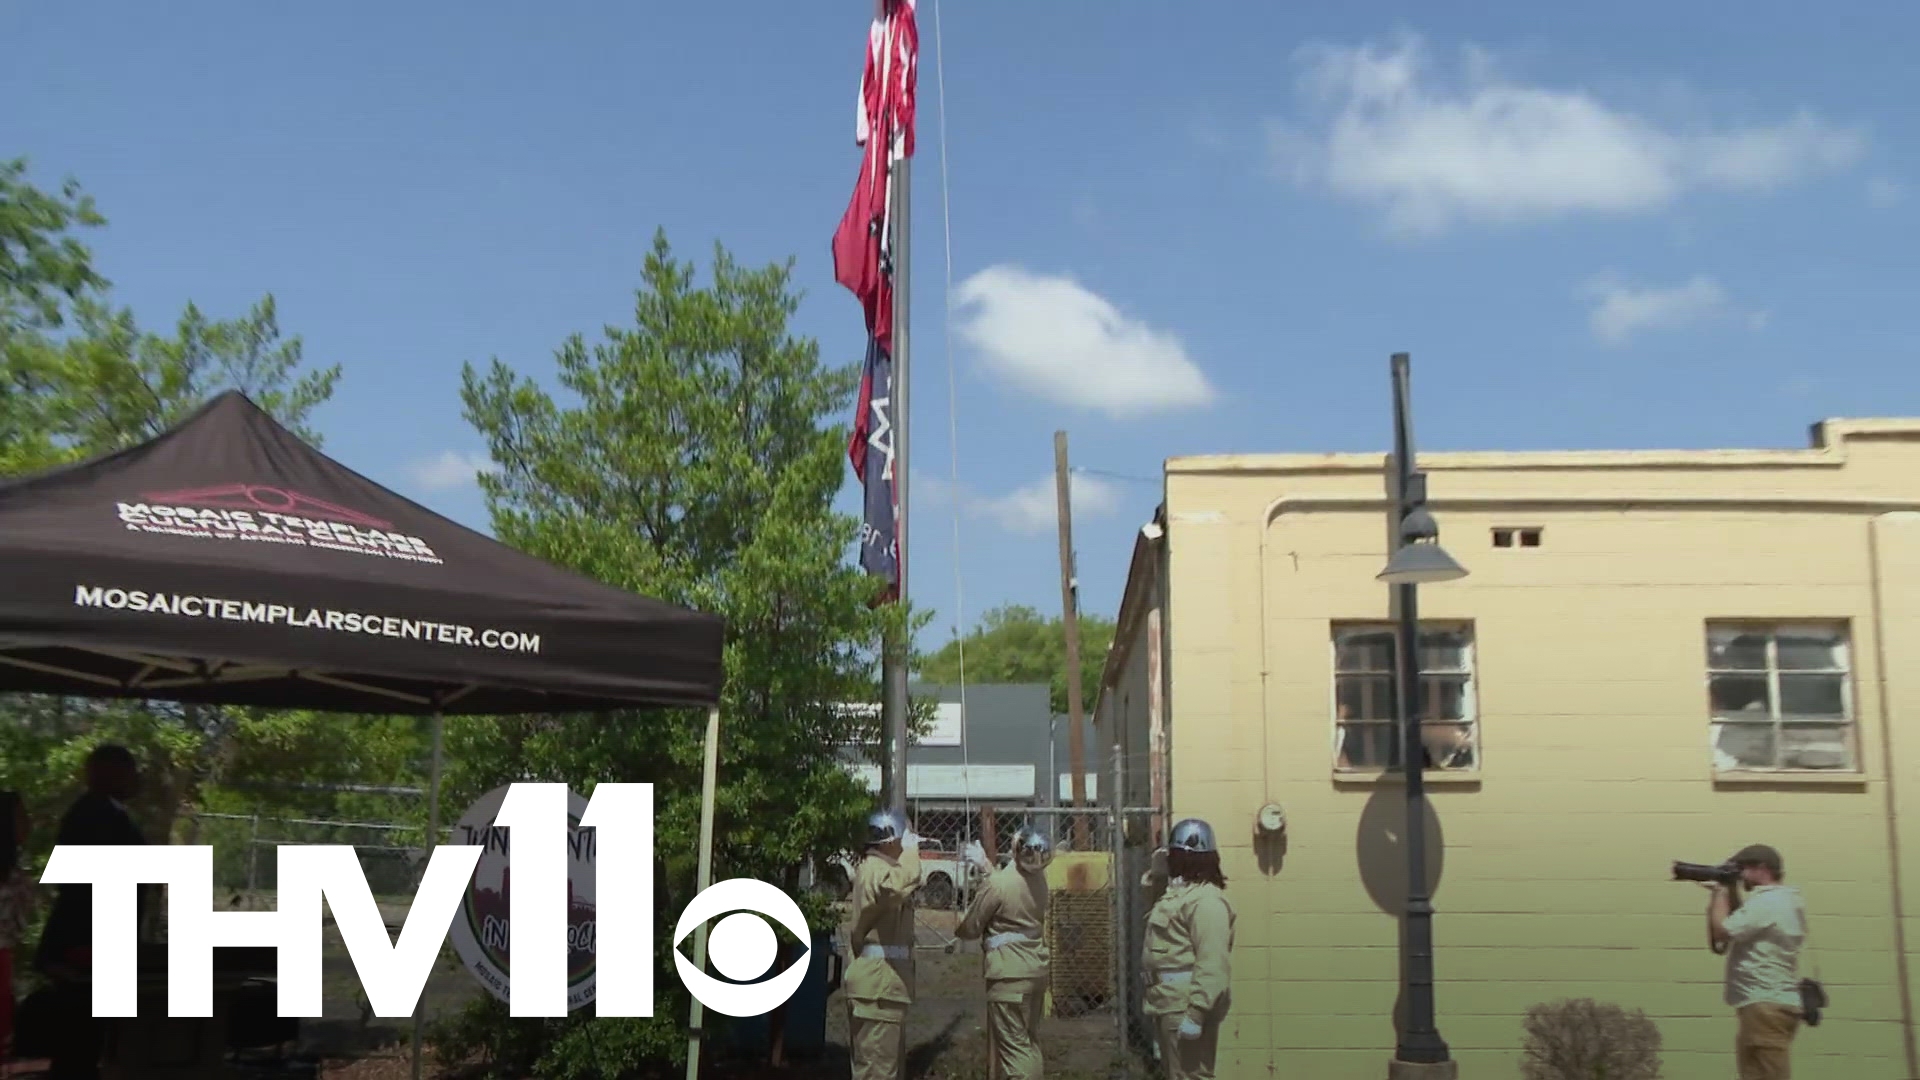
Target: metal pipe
[[897, 700], [709, 783], [1892, 802], [433, 841], [1122, 924]]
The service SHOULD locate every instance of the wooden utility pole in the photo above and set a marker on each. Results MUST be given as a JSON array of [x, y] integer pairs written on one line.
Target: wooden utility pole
[[1070, 602]]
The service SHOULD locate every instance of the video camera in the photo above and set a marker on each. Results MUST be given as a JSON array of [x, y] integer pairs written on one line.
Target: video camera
[[1725, 873]]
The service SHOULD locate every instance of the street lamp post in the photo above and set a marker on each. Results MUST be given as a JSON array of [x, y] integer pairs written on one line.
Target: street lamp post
[[1417, 559]]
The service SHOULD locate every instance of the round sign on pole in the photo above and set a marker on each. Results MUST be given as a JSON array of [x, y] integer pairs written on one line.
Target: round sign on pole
[[481, 929]]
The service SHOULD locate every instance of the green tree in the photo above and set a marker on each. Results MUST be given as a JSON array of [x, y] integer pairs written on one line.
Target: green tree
[[1015, 644], [44, 270], [696, 460], [43, 264]]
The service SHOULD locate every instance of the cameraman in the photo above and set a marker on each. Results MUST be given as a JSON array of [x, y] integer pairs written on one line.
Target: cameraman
[[1762, 942]]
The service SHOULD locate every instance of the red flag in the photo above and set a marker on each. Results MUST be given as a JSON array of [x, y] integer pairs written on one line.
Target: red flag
[[884, 130]]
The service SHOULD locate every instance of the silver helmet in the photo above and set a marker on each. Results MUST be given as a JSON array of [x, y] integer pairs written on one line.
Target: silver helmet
[[1032, 851], [884, 827], [1192, 835]]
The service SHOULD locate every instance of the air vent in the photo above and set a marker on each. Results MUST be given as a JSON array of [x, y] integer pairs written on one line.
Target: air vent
[[1516, 537]]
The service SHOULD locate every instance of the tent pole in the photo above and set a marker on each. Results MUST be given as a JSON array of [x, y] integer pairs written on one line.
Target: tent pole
[[433, 841], [708, 782]]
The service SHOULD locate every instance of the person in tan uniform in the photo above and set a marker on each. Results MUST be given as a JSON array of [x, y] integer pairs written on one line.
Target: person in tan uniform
[[1189, 936], [879, 976], [1008, 913]]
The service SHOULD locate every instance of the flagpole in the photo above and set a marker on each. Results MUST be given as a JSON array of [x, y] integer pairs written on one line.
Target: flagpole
[[894, 702]]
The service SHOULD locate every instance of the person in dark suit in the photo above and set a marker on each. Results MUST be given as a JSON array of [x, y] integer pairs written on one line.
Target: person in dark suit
[[66, 945]]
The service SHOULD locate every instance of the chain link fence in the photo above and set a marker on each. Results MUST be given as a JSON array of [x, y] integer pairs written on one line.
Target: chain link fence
[[1092, 997], [392, 856]]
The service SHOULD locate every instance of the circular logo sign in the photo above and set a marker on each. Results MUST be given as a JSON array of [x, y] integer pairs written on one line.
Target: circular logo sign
[[480, 930]]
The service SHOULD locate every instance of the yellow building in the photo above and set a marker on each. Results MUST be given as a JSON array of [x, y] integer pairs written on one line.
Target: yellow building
[[1657, 656]]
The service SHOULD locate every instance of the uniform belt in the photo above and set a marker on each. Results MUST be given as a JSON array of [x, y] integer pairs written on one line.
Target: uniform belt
[[885, 952], [1176, 976], [1001, 940]]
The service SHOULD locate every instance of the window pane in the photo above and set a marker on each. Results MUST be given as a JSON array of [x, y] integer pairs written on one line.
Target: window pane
[[1443, 697], [1367, 746], [1449, 746], [1443, 650], [1812, 648], [1813, 695], [1736, 649], [1739, 694], [1364, 697], [1365, 650], [1743, 746], [1815, 746]]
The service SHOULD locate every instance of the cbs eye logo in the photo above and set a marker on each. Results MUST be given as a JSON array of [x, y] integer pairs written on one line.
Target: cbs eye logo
[[742, 946]]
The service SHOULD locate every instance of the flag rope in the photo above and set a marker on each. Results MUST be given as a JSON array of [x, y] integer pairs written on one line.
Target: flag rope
[[953, 421]]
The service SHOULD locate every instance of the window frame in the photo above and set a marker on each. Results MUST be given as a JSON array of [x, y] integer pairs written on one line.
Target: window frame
[[1847, 724], [1341, 629]]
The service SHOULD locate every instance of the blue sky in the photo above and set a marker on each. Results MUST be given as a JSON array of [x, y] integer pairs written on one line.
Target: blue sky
[[1176, 229]]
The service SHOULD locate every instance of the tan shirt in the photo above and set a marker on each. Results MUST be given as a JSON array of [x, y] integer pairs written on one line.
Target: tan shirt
[[880, 944], [1763, 960], [1009, 914], [1189, 937]]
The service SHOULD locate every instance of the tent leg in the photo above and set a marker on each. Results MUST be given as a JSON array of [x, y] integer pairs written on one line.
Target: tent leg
[[708, 782], [433, 841]]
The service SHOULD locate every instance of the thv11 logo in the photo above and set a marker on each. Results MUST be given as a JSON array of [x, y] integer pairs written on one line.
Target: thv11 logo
[[394, 974]]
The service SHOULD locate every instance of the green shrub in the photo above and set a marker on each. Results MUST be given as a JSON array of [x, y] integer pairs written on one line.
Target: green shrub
[[1587, 1040]]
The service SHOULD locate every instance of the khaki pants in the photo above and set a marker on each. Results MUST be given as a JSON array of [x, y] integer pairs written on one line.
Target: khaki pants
[[877, 1040], [1189, 1059], [1765, 1041], [1013, 1016]]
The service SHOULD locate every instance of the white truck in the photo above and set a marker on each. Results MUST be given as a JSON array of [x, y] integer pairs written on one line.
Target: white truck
[[945, 878]]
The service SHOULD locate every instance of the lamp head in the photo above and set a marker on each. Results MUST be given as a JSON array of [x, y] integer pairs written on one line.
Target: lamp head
[[1421, 563]]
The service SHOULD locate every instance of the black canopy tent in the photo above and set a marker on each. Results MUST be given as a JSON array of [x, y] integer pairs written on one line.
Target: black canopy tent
[[229, 562]]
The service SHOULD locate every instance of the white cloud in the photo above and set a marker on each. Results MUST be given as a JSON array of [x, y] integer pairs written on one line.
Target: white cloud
[[928, 493], [1029, 508], [1883, 192], [1034, 507], [1380, 128], [1622, 310], [1052, 337], [449, 469]]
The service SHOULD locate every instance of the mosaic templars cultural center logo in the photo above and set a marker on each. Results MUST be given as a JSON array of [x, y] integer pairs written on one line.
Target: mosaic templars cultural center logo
[[254, 513], [482, 933]]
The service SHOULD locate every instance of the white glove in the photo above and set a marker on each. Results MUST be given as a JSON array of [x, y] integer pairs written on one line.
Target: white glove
[[1189, 1030], [910, 842], [977, 855]]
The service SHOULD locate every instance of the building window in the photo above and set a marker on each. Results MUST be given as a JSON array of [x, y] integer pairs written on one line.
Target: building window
[[1364, 691], [1506, 538], [1780, 697]]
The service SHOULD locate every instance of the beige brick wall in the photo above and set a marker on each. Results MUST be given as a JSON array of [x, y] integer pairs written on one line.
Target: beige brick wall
[[1595, 765]]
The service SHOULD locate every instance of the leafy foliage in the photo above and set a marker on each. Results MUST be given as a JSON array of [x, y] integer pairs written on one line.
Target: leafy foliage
[[696, 461], [1018, 644], [43, 265]]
